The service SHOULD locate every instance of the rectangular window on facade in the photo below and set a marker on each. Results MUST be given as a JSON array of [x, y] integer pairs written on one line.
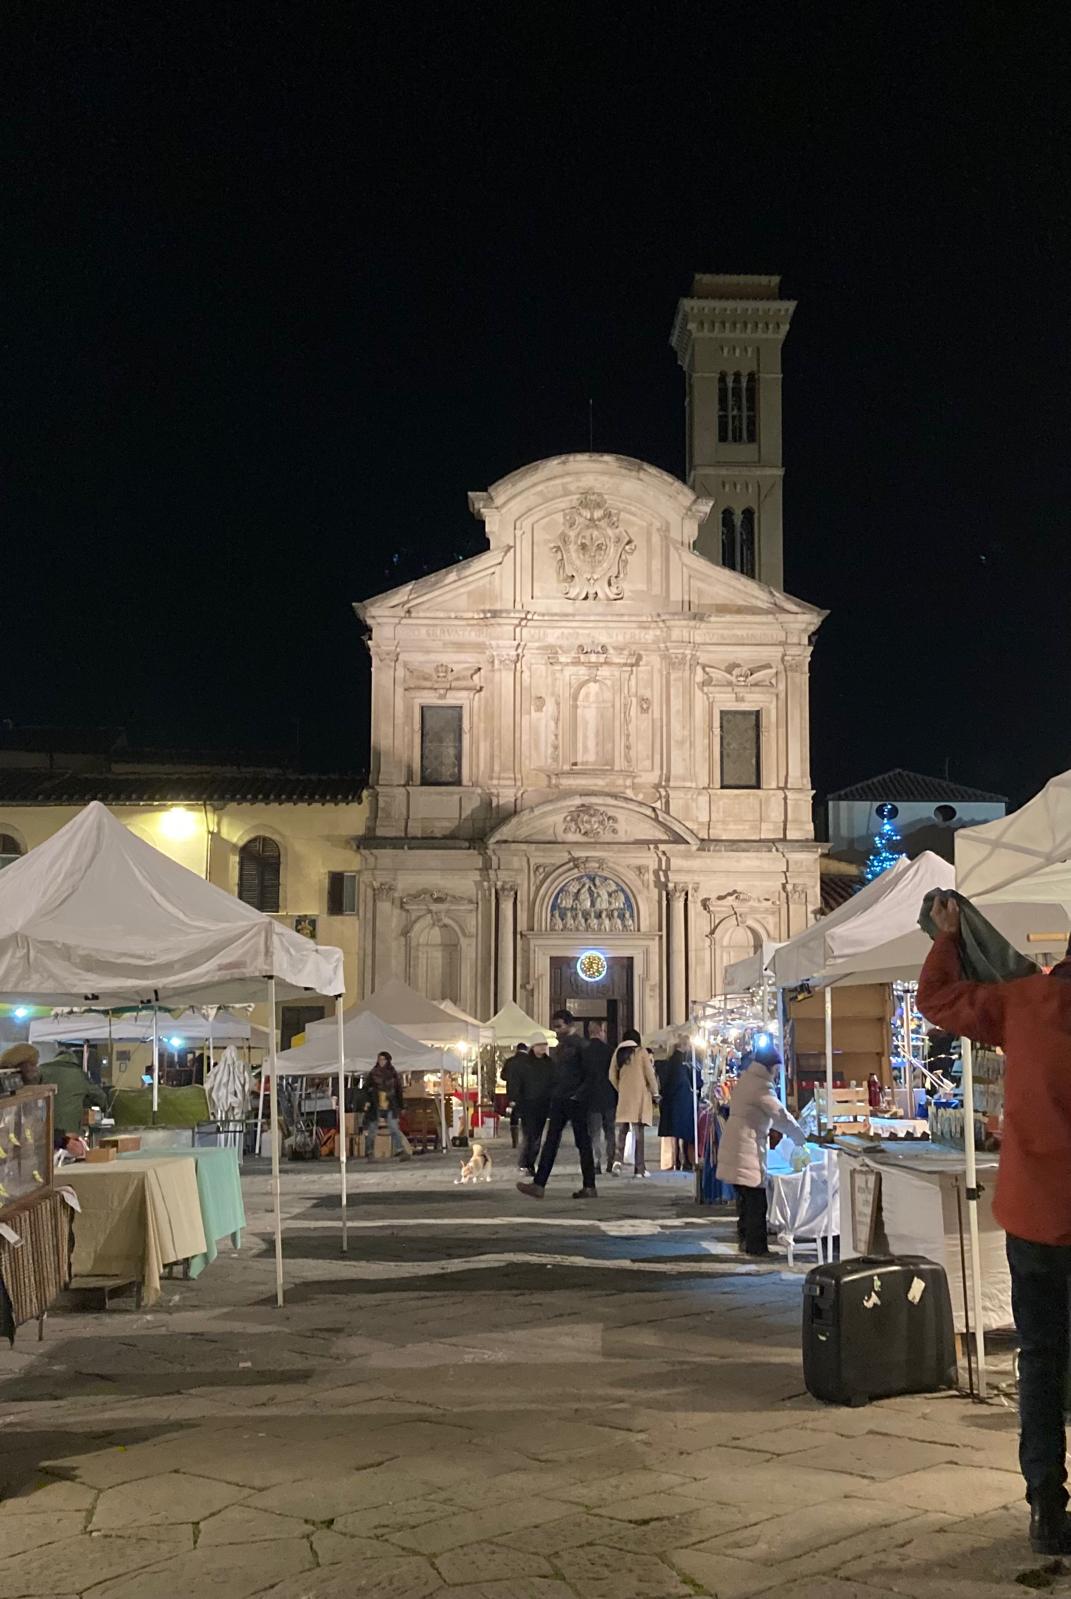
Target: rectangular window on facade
[[440, 744], [342, 893], [740, 761]]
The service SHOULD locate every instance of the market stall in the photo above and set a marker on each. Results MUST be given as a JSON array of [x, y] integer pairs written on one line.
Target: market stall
[[95, 915], [135, 1217], [35, 1214]]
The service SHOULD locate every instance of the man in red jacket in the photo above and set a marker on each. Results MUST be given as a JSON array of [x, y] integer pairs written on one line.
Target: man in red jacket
[[1030, 1019]]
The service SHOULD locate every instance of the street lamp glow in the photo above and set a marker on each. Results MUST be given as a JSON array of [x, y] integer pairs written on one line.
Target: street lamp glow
[[178, 823]]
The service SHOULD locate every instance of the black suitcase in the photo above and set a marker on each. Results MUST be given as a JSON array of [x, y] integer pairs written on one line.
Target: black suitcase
[[873, 1328]]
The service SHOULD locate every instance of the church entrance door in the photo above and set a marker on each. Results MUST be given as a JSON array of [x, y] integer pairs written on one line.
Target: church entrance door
[[608, 999]]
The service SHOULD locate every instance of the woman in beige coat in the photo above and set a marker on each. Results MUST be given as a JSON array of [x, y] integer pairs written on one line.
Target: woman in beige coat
[[632, 1073]]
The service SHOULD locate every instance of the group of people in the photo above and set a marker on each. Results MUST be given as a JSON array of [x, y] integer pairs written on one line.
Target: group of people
[[603, 1095]]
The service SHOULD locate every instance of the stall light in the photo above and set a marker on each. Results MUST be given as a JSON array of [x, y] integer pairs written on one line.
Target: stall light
[[21, 1012], [178, 823], [174, 1043], [762, 1041]]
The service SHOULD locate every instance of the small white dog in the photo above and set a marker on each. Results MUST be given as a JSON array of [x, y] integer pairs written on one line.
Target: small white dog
[[479, 1164]]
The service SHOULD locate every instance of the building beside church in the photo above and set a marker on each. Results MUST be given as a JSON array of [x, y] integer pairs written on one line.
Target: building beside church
[[590, 772]]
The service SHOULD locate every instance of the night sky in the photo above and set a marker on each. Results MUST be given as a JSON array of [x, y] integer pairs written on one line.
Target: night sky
[[284, 282]]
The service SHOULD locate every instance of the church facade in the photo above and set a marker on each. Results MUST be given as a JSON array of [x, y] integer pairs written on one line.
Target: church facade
[[590, 778]]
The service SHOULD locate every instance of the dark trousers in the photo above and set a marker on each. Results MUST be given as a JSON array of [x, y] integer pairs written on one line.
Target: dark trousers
[[532, 1125], [567, 1113], [1040, 1278], [751, 1219], [514, 1125], [601, 1126]]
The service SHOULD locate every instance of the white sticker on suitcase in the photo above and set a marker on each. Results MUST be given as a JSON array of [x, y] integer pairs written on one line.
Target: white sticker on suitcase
[[873, 1300], [916, 1291]]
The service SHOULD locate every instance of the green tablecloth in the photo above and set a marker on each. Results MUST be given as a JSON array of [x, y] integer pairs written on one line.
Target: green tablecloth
[[219, 1189]]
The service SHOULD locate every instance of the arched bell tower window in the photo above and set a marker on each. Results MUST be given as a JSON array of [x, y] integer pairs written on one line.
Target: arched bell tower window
[[738, 543], [737, 394]]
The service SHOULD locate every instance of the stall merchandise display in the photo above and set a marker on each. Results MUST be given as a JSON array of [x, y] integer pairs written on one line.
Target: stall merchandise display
[[35, 1233], [25, 1144]]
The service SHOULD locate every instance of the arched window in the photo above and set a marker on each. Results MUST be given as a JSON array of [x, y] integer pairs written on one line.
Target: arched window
[[10, 849], [728, 538], [593, 741], [746, 545], [737, 402], [439, 963], [260, 873]]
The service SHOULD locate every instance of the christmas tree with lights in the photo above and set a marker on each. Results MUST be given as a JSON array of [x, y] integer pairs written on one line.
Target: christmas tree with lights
[[888, 845]]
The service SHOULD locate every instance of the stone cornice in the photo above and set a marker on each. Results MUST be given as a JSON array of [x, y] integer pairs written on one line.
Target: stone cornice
[[749, 319]]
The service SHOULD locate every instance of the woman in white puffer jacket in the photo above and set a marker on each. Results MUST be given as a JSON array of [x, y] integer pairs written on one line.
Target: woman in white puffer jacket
[[753, 1109]]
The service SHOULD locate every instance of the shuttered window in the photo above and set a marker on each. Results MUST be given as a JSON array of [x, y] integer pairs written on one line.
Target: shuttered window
[[740, 740], [10, 849], [260, 873], [440, 745], [342, 893]]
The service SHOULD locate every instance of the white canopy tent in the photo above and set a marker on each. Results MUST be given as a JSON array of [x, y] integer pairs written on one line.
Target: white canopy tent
[[482, 1029], [96, 916], [512, 1026], [1024, 856], [395, 1002], [751, 972], [136, 1027]]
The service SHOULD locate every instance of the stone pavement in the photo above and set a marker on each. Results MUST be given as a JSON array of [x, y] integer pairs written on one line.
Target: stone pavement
[[486, 1399]]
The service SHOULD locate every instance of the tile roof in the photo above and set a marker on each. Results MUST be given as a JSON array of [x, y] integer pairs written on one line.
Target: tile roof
[[251, 787], [837, 889], [902, 785]]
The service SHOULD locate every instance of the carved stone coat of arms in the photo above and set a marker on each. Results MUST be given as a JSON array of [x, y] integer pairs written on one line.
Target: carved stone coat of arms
[[593, 550]]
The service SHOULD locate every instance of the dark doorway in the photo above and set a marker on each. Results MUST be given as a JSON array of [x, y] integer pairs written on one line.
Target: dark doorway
[[294, 1019], [608, 999]]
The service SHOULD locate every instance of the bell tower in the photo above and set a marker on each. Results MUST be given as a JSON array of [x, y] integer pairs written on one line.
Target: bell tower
[[727, 335]]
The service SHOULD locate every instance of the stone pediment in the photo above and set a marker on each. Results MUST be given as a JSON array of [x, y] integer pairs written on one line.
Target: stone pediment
[[601, 819]]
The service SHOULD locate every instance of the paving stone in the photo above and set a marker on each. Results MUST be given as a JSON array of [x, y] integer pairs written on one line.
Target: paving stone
[[723, 1575], [874, 1455], [18, 1533], [799, 1532], [490, 1562], [378, 1520], [513, 1588], [957, 1490], [173, 1496], [392, 1577], [336, 1549], [321, 1498], [232, 1570], [601, 1572], [572, 1532], [618, 1490], [43, 1495], [239, 1524], [73, 1565], [477, 1526]]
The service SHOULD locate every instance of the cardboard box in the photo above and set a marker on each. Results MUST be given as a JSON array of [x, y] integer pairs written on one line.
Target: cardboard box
[[125, 1143], [383, 1146], [99, 1157]]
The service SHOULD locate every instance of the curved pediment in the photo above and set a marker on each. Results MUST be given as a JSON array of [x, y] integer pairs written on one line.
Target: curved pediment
[[592, 818]]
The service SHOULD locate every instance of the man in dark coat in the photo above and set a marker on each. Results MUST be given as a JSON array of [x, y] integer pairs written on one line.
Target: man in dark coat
[[569, 1107], [510, 1074], [533, 1082], [602, 1113]]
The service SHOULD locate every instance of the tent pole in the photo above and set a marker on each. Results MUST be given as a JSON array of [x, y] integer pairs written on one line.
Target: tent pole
[[782, 1040], [829, 1058], [211, 1050], [342, 1119], [276, 1190], [155, 1066], [967, 1057], [260, 1106], [697, 1176], [442, 1100]]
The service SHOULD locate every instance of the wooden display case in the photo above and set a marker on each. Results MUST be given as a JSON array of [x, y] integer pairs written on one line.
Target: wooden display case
[[25, 1146]]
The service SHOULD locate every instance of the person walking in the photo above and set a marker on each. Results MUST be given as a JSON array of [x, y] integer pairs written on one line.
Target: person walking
[[676, 1115], [510, 1073], [632, 1074], [602, 1114], [385, 1103], [569, 1107], [754, 1109], [534, 1082], [1030, 1019]]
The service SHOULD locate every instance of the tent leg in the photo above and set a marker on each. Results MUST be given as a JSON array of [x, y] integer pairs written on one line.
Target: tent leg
[[155, 1066], [342, 1120], [260, 1110], [697, 1176], [276, 1189], [442, 1104], [967, 1056], [829, 1060]]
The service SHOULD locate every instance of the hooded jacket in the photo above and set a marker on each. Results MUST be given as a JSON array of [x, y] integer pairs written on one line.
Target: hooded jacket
[[753, 1109]]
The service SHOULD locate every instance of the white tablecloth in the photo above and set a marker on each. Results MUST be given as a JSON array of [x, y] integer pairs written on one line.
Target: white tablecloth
[[799, 1201]]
